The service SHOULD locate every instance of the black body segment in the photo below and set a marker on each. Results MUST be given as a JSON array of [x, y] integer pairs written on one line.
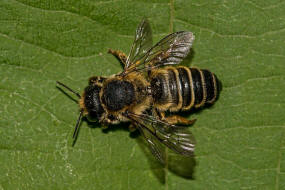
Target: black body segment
[[210, 85], [182, 88], [118, 94], [185, 86], [173, 86], [197, 85]]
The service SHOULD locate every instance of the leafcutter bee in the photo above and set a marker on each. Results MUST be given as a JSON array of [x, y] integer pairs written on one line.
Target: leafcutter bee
[[148, 88]]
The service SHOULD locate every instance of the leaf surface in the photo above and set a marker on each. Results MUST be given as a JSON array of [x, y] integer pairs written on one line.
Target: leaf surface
[[240, 140]]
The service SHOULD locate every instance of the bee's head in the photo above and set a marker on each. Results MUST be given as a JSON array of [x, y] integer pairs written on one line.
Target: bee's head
[[91, 104]]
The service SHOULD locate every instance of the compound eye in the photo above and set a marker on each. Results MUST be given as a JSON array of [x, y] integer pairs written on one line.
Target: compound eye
[[92, 102]]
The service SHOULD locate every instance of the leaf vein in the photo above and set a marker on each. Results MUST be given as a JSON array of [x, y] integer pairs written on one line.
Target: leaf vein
[[46, 49], [253, 79], [279, 162], [233, 35]]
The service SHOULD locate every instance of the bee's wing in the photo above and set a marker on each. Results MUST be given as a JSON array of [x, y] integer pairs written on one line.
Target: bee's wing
[[170, 50], [157, 132], [156, 147], [141, 44]]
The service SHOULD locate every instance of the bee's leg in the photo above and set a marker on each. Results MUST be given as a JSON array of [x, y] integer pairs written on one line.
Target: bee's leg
[[96, 80], [104, 126], [122, 58], [158, 114], [176, 119], [92, 80], [132, 128]]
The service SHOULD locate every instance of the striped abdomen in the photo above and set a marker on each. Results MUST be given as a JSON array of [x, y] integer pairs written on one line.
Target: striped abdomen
[[181, 88]]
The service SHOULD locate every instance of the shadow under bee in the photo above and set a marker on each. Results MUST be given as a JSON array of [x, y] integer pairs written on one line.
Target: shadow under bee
[[179, 165], [188, 59]]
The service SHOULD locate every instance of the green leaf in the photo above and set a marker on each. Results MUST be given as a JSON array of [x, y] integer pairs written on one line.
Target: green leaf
[[240, 140]]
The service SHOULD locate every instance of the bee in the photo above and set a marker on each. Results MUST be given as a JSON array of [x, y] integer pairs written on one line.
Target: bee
[[148, 88]]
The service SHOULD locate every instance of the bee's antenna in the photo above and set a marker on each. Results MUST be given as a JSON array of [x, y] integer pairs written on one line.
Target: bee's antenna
[[76, 130], [61, 84]]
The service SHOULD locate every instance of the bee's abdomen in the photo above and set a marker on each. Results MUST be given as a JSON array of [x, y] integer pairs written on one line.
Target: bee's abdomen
[[204, 85], [182, 88]]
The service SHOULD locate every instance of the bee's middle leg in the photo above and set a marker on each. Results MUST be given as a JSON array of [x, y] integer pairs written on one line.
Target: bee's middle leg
[[122, 58]]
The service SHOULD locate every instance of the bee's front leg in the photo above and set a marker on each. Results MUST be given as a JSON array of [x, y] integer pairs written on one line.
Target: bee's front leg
[[96, 80], [132, 128], [122, 58]]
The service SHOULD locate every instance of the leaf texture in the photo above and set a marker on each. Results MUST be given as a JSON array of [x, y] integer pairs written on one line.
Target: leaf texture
[[240, 139]]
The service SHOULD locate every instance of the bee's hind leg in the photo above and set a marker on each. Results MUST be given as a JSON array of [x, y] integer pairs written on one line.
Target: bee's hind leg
[[122, 58], [174, 119]]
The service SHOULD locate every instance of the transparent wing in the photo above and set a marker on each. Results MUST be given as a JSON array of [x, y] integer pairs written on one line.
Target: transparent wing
[[170, 50], [156, 147], [157, 132], [141, 44]]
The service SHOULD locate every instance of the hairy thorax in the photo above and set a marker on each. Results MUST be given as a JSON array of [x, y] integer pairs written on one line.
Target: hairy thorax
[[122, 94]]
